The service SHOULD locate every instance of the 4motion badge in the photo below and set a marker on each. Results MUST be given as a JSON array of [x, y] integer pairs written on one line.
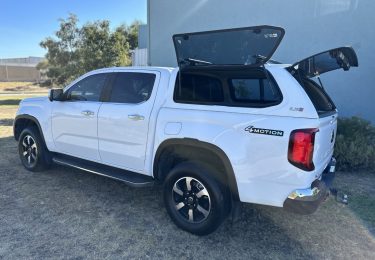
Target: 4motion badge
[[253, 130]]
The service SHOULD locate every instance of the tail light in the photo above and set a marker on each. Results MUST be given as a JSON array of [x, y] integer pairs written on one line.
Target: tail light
[[301, 148]]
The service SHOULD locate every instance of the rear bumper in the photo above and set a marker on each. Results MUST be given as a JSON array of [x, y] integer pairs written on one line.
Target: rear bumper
[[307, 201]]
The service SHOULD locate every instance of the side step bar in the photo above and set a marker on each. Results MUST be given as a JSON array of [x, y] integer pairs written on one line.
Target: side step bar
[[132, 179]]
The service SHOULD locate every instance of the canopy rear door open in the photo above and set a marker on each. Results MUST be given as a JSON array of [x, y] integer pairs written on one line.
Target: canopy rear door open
[[252, 46], [338, 58]]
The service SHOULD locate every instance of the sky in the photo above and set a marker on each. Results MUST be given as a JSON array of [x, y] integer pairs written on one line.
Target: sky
[[24, 24]]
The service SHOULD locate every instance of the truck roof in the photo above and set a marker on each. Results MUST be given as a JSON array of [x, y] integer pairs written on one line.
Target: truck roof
[[135, 68]]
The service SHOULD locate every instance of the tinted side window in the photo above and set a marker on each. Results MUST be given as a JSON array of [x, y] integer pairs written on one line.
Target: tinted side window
[[132, 87], [87, 89], [246, 89], [254, 90], [271, 91], [318, 96], [198, 89]]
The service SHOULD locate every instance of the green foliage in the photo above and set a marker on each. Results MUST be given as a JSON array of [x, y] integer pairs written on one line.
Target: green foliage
[[77, 50], [355, 144]]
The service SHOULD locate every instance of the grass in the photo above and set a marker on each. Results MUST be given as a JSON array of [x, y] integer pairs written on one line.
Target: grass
[[17, 97], [9, 106], [10, 102], [360, 188], [8, 109], [359, 185], [64, 213], [13, 100]]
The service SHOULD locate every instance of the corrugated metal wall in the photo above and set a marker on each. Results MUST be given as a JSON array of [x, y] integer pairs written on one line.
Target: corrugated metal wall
[[139, 57]]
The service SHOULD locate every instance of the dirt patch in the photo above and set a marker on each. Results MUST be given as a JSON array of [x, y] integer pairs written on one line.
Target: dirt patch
[[21, 87]]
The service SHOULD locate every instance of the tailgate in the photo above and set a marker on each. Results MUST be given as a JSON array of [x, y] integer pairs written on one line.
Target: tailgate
[[325, 141]]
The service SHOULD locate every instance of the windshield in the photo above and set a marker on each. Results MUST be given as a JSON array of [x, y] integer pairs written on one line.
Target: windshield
[[241, 46]]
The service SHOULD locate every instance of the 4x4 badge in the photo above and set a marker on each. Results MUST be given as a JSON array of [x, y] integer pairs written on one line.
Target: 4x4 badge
[[262, 131]]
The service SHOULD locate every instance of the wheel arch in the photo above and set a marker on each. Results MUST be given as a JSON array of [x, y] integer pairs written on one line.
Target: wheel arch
[[171, 146], [22, 121]]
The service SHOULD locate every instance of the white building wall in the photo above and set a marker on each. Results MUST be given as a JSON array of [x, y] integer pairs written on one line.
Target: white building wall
[[139, 57], [311, 26], [142, 36]]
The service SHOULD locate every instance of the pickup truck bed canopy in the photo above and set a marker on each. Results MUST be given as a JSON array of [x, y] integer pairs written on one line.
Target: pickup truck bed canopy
[[251, 46]]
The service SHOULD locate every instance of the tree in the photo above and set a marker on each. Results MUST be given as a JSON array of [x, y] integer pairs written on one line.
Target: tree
[[131, 33], [76, 50]]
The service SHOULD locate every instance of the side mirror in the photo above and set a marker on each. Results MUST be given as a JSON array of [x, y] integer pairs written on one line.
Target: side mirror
[[56, 94]]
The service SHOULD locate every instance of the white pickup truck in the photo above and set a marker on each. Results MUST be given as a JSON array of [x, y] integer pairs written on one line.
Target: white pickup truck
[[229, 125]]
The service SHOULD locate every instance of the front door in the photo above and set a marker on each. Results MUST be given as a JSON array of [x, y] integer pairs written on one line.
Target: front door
[[74, 120], [123, 120]]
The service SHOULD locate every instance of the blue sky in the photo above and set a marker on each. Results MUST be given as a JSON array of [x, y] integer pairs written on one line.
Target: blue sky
[[23, 24]]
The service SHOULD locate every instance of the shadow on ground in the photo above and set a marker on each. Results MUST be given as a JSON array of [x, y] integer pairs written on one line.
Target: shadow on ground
[[6, 122], [10, 102], [67, 213], [15, 89]]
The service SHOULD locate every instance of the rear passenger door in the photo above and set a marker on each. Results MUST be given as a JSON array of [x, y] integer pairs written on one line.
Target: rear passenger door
[[124, 117]]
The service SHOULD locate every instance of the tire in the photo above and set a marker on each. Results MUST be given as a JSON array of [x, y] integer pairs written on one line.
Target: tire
[[32, 151], [201, 209]]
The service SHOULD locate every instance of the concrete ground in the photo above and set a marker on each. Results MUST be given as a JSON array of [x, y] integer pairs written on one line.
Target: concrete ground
[[66, 213]]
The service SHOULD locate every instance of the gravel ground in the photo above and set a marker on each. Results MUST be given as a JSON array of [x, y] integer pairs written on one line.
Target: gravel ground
[[66, 213]]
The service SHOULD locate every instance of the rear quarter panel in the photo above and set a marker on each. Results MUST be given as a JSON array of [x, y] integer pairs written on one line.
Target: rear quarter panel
[[260, 162]]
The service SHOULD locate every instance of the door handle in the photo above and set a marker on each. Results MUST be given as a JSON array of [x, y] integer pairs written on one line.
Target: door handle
[[87, 113], [136, 117]]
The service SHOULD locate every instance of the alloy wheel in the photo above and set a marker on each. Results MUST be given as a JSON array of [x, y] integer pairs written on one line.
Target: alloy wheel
[[192, 200], [29, 150]]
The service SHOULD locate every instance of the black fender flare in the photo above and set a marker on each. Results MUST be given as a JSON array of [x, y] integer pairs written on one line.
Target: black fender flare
[[28, 117], [202, 145]]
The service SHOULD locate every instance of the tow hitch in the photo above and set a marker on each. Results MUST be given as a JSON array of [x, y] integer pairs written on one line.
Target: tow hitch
[[327, 178]]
